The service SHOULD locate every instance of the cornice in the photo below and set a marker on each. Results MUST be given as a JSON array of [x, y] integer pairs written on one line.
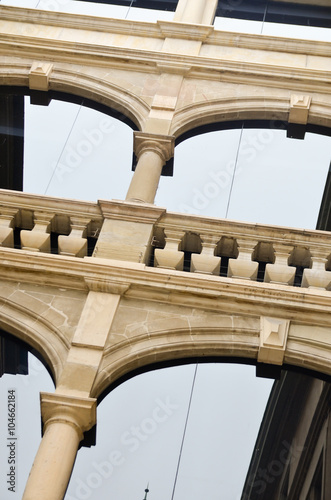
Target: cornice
[[237, 229], [79, 21], [45, 203], [307, 306], [130, 211], [172, 29], [163, 29], [270, 43], [269, 75]]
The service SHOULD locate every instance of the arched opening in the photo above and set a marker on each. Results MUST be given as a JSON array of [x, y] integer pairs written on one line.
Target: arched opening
[[23, 375], [195, 430], [56, 144], [259, 171]]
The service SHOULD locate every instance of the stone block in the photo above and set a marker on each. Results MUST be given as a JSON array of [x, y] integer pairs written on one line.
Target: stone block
[[279, 274], [244, 269], [273, 338]]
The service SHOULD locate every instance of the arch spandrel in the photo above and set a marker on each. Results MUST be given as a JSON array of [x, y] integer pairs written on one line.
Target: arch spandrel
[[244, 103], [43, 317], [134, 73], [144, 333], [154, 334], [121, 91]]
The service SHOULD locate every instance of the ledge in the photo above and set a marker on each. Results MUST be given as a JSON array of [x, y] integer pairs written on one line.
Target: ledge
[[310, 306], [162, 29]]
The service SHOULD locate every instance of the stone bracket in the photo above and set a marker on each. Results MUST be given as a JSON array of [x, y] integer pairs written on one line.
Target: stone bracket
[[107, 286], [273, 339], [299, 109], [39, 75]]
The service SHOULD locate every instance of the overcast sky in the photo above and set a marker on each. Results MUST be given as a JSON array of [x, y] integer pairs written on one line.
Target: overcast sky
[[140, 424]]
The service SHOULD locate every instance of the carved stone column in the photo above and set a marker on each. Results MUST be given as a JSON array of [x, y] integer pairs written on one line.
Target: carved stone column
[[152, 151], [243, 266], [38, 239], [65, 420], [7, 221], [75, 244], [317, 276], [280, 272], [170, 257], [196, 11], [206, 262]]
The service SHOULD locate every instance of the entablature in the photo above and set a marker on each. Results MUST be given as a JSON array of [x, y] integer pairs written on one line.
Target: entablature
[[97, 41], [205, 262]]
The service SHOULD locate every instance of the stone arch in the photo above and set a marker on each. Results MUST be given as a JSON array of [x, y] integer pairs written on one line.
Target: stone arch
[[236, 337], [272, 108], [18, 318], [157, 342], [82, 84]]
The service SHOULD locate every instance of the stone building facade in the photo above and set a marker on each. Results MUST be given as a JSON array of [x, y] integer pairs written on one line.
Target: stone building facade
[[134, 302]]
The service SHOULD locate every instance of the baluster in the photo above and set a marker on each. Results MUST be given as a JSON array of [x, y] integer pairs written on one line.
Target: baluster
[[280, 272], [38, 239], [243, 267], [75, 244], [170, 257], [317, 276], [7, 222], [206, 262]]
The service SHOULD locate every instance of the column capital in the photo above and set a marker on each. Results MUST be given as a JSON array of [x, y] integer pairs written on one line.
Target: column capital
[[80, 413], [163, 145]]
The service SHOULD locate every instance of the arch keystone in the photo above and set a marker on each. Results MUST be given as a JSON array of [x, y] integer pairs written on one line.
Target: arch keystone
[[39, 75], [273, 339]]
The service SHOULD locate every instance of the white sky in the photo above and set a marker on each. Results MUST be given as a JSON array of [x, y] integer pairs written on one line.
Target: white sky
[[277, 181]]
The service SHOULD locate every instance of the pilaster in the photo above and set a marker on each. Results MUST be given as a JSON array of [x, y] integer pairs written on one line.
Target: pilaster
[[127, 230]]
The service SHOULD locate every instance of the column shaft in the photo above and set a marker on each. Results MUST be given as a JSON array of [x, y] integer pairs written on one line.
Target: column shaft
[[194, 11], [51, 470], [146, 178]]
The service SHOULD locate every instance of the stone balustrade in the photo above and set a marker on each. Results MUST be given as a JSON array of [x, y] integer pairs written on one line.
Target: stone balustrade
[[269, 254], [45, 224]]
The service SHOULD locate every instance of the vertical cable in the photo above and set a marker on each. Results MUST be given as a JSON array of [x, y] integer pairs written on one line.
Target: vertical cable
[[234, 170], [64, 146], [184, 432], [129, 9], [264, 16]]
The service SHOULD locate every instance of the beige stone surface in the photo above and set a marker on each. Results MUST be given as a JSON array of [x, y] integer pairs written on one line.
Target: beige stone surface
[[95, 319]]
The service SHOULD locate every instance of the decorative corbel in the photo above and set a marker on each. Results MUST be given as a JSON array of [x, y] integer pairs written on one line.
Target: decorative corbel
[[273, 339]]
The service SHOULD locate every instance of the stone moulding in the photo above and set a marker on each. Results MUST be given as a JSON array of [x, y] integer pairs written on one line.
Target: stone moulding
[[186, 117], [207, 293], [156, 30], [19, 320], [156, 344], [241, 71]]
